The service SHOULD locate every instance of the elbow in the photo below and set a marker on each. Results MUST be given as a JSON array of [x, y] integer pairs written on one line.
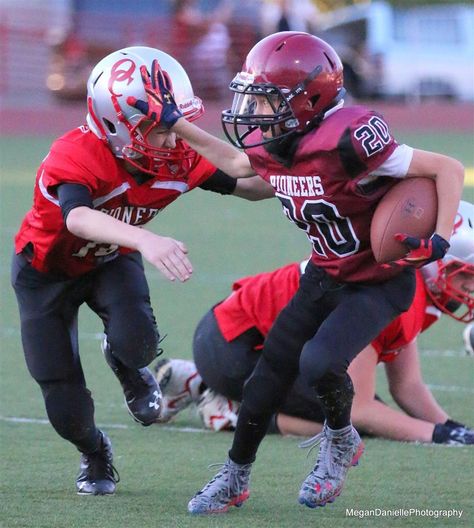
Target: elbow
[[455, 169], [242, 172], [255, 197], [75, 221], [458, 170]]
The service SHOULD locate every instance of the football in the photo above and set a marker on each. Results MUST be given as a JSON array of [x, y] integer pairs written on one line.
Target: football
[[409, 207]]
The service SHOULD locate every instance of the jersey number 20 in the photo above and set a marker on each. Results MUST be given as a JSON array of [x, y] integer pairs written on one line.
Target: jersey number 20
[[324, 226]]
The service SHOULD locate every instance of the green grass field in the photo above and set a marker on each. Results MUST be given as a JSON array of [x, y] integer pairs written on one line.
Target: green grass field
[[162, 466]]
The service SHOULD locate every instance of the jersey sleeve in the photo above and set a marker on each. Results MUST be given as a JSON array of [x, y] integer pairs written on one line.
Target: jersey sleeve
[[365, 145], [68, 162], [397, 164], [202, 170]]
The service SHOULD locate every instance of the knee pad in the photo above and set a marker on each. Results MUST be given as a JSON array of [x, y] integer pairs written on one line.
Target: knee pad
[[335, 394], [318, 363], [341, 387], [134, 346]]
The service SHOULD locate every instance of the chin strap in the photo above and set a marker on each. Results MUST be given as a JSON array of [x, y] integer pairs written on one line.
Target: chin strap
[[284, 149], [317, 120]]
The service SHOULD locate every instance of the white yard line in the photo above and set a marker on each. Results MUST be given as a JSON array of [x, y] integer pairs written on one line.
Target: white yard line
[[450, 388], [42, 421], [10, 331]]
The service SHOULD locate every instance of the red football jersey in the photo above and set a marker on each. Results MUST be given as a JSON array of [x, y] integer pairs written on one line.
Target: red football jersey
[[256, 301], [80, 157], [327, 193]]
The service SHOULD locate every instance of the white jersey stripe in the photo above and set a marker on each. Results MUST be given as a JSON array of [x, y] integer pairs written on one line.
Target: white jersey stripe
[[182, 187], [119, 190], [45, 192]]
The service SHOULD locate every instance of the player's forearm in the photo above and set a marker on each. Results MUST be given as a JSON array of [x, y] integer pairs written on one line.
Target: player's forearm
[[418, 401], [99, 227], [223, 155], [449, 185], [381, 420], [291, 425], [449, 176], [253, 189]]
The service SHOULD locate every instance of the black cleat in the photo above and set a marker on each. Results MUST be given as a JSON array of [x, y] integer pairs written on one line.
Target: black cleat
[[141, 390], [97, 474]]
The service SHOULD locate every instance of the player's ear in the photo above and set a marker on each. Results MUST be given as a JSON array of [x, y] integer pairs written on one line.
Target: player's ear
[[311, 102]]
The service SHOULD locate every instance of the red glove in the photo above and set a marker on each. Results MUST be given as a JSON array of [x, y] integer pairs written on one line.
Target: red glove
[[421, 250], [160, 105]]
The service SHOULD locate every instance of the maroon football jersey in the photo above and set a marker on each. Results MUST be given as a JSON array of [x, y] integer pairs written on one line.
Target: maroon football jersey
[[324, 193], [80, 157]]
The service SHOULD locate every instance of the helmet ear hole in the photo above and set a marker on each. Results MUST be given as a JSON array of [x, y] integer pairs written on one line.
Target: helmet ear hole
[[110, 126], [313, 100]]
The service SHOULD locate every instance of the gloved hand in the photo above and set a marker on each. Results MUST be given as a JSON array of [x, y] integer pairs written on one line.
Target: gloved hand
[[160, 105], [421, 250], [453, 433]]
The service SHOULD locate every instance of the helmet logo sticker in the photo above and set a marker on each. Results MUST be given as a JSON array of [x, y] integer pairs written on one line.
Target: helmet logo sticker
[[121, 75], [244, 79]]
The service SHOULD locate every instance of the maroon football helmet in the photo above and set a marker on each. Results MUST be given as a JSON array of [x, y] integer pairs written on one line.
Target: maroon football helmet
[[301, 78]]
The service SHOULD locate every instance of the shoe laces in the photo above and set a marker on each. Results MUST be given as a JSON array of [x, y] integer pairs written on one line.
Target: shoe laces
[[99, 464], [233, 475], [160, 350], [332, 452]]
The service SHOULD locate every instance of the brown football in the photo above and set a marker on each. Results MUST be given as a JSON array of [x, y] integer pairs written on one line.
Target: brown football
[[410, 207]]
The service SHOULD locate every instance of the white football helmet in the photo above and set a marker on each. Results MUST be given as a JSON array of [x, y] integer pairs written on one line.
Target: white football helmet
[[459, 259], [180, 383], [124, 128], [217, 412]]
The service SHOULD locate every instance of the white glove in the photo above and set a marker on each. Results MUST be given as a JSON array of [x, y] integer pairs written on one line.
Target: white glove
[[217, 412]]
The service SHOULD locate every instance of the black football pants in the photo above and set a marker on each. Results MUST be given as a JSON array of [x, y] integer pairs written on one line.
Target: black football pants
[[225, 366], [118, 293], [336, 321]]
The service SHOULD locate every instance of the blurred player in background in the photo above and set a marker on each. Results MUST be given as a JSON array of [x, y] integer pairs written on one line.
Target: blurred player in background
[[229, 338], [329, 166], [82, 242]]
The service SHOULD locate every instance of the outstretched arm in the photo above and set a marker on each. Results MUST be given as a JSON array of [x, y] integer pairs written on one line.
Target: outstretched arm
[[223, 155], [253, 189], [161, 107], [374, 417], [408, 388], [166, 254]]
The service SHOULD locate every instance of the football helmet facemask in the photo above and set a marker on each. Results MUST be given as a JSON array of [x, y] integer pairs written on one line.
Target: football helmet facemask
[[287, 83], [439, 275], [126, 130]]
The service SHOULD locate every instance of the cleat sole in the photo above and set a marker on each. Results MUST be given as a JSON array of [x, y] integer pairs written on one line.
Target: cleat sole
[[237, 501]]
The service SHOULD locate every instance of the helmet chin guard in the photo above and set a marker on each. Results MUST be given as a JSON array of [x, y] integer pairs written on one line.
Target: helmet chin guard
[[449, 298], [450, 281], [127, 132]]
